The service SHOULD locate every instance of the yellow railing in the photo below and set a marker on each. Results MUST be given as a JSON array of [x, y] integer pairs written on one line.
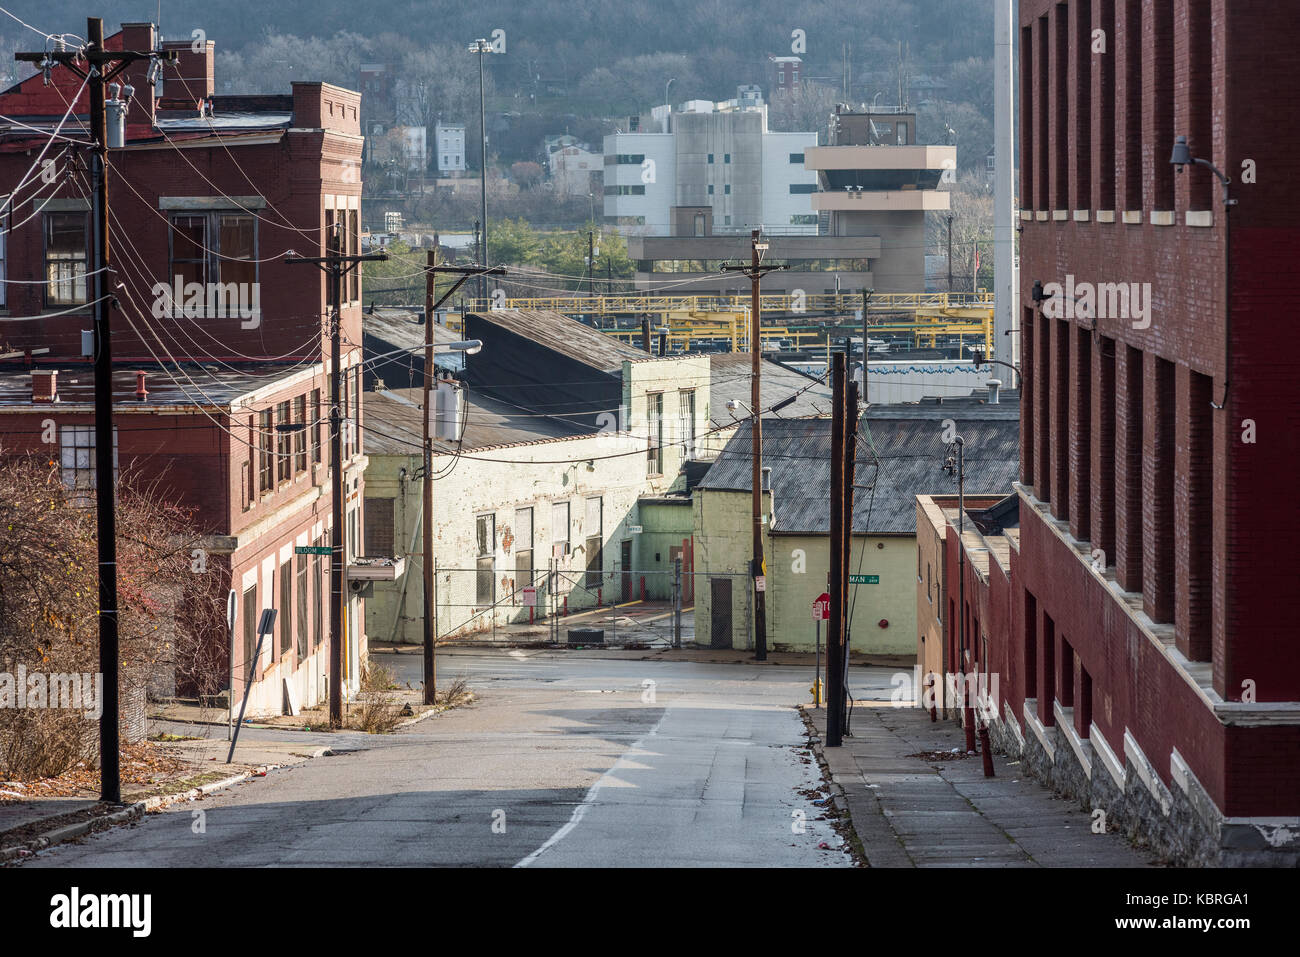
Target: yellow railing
[[796, 303]]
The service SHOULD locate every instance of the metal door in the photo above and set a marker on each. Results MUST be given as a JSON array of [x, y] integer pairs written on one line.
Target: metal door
[[625, 563], [720, 616]]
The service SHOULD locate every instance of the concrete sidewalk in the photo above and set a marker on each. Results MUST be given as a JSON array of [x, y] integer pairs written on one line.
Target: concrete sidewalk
[[30, 825], [934, 811]]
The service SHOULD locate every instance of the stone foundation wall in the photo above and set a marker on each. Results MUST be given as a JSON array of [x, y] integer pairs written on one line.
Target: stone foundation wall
[[1180, 824]]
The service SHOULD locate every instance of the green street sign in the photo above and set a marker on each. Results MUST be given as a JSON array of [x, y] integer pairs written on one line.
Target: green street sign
[[312, 550], [864, 579]]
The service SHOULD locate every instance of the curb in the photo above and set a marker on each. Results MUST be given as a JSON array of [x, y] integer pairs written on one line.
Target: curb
[[838, 798], [131, 812], [432, 712]]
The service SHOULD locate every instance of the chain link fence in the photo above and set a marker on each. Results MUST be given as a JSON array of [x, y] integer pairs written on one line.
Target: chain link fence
[[629, 606]]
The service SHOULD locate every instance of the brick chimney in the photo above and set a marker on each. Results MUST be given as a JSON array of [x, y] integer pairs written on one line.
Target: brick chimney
[[193, 76], [45, 385], [139, 36]]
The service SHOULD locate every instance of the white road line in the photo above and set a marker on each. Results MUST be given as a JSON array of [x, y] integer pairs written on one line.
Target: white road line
[[589, 800]]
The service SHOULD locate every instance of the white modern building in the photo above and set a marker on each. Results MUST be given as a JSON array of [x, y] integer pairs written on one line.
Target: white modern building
[[449, 142], [709, 169]]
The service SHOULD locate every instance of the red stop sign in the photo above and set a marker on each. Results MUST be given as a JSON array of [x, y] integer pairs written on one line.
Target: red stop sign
[[821, 607]]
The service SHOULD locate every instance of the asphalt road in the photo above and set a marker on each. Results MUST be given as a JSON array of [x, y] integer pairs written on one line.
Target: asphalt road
[[565, 759]]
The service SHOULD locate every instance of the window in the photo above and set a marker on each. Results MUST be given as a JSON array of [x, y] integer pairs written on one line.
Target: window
[[686, 403], [796, 157], [283, 444], [726, 189], [301, 630], [710, 157], [300, 437], [799, 188], [356, 410], [266, 467], [655, 417], [66, 243], [803, 219], [726, 157], [353, 239], [629, 159], [901, 134], [710, 189], [624, 190], [485, 537], [315, 426], [218, 247], [250, 630], [379, 527], [592, 526], [317, 571], [286, 604], [560, 527], [77, 456], [523, 547]]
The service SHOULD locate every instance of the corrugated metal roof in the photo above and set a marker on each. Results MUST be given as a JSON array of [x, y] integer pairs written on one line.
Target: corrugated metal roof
[[393, 424], [562, 335], [730, 379], [911, 455]]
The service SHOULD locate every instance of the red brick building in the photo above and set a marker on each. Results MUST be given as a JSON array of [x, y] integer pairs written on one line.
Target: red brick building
[[1136, 614], [217, 341]]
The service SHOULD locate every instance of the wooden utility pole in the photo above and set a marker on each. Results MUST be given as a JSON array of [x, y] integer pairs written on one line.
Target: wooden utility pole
[[335, 264], [426, 521], [97, 67], [835, 624], [758, 570]]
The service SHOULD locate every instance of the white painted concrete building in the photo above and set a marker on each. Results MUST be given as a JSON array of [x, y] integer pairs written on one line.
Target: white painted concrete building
[[716, 170], [449, 143]]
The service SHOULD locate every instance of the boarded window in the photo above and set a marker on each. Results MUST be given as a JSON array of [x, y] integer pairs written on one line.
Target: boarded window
[[686, 401], [560, 525], [592, 529], [301, 630], [286, 607], [655, 415], [250, 630], [379, 527], [317, 575], [523, 547]]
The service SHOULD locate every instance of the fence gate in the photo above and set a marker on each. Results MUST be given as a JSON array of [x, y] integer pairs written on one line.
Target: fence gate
[[720, 624]]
